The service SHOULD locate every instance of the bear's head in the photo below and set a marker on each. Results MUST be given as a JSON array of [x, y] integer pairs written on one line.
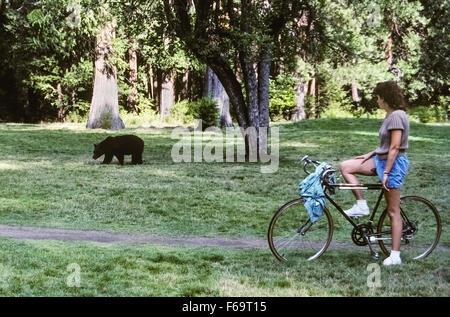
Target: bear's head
[[100, 148], [98, 151]]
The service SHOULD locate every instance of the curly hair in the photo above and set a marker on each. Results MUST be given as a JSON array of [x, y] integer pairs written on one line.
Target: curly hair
[[392, 94]]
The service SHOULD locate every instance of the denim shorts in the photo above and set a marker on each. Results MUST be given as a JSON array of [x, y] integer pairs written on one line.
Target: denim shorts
[[396, 174]]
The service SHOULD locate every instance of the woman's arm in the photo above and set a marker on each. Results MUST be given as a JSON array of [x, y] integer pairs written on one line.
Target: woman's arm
[[366, 156], [396, 137]]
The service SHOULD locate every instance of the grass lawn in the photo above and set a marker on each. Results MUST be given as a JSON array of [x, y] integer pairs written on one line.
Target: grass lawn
[[37, 268], [48, 178]]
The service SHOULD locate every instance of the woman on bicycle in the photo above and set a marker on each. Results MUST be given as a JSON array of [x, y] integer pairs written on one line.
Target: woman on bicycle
[[388, 161]]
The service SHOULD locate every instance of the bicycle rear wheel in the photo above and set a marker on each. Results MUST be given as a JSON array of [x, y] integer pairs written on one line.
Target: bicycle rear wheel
[[292, 237], [421, 228]]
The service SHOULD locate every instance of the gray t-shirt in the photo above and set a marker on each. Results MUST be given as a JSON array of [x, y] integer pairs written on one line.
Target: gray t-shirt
[[397, 120]]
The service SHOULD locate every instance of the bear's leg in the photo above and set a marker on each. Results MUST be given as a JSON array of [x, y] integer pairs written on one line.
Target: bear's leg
[[108, 158], [136, 158], [139, 158], [120, 158]]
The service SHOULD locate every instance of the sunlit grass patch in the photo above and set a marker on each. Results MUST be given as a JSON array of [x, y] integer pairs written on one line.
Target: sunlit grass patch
[[41, 268], [48, 178]]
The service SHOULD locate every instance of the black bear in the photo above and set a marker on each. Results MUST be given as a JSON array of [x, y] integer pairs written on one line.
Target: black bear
[[119, 146]]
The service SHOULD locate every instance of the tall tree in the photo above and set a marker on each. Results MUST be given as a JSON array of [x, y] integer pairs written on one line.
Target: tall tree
[[248, 29], [104, 111], [132, 99], [214, 89]]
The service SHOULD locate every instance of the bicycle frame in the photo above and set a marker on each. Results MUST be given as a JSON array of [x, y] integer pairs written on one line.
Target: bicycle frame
[[355, 186]]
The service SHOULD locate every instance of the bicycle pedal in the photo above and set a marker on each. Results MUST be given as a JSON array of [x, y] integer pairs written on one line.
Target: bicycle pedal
[[375, 255]]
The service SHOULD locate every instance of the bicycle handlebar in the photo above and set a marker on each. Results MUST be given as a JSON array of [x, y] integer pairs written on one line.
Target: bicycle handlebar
[[308, 161]]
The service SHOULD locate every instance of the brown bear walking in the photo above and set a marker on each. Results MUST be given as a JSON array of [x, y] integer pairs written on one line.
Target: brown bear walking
[[120, 146]]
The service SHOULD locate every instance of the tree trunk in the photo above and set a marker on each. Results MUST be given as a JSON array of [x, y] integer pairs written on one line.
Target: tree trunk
[[133, 79], [167, 99], [312, 98], [301, 89], [156, 84], [104, 111], [355, 96], [232, 87], [388, 46], [215, 90], [263, 87], [61, 110], [149, 87], [73, 97], [317, 103], [263, 100], [447, 111]]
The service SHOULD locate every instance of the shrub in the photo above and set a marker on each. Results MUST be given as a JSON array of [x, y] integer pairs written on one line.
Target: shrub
[[145, 116], [205, 109], [180, 112], [282, 97], [105, 119], [428, 114]]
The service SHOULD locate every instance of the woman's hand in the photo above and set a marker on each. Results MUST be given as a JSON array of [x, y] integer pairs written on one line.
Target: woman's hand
[[385, 182], [364, 157]]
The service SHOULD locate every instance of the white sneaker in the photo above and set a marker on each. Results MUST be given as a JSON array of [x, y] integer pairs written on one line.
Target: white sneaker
[[392, 261], [357, 211]]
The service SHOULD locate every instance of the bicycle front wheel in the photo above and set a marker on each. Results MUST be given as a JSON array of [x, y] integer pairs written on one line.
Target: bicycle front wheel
[[292, 237], [421, 228]]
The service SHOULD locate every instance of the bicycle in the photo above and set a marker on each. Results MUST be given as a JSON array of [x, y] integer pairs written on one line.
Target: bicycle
[[292, 236]]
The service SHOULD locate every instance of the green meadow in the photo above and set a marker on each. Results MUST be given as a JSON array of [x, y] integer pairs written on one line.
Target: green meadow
[[48, 178]]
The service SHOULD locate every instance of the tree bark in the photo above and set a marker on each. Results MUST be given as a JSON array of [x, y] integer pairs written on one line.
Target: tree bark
[[388, 46], [447, 112], [312, 97], [167, 99], [317, 103], [61, 108], [355, 96], [133, 79], [232, 87], [150, 82], [104, 112], [301, 90], [263, 87], [215, 90]]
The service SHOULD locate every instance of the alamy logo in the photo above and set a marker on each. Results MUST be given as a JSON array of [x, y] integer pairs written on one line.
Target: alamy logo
[[373, 15], [74, 19], [374, 278], [74, 278], [220, 146]]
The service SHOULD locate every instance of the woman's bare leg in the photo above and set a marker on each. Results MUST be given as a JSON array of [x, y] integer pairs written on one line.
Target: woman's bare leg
[[356, 166], [393, 207]]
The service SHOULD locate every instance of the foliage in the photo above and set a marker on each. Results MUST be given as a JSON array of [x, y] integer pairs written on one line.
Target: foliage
[[204, 109], [180, 112], [282, 97], [42, 48], [46, 50], [105, 119], [426, 114]]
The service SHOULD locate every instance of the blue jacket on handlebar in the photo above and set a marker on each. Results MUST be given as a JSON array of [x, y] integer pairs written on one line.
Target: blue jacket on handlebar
[[312, 191]]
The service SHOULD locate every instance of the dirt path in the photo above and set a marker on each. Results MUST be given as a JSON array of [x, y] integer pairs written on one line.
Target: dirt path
[[42, 233]]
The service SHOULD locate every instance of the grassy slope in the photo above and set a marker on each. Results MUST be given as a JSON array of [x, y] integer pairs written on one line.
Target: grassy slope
[[47, 178], [40, 268]]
